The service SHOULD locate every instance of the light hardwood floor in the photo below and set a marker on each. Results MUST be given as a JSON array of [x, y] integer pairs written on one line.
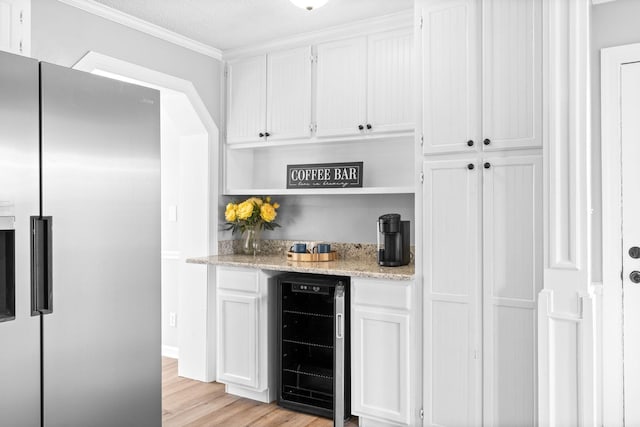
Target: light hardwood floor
[[192, 403]]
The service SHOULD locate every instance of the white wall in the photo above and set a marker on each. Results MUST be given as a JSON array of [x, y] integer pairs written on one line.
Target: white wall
[[62, 34], [170, 157], [613, 24], [333, 218]]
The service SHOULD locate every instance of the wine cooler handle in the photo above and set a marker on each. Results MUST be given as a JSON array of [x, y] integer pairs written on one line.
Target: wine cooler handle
[[41, 265], [339, 357]]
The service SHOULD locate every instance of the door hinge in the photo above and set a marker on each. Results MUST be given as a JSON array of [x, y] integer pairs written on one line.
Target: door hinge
[[313, 127], [314, 58], [421, 414], [476, 355], [21, 17], [421, 140], [421, 177], [421, 22]]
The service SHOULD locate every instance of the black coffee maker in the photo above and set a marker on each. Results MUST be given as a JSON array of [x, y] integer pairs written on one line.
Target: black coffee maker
[[393, 240]]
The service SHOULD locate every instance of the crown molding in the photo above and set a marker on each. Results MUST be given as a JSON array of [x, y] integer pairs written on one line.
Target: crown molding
[[127, 20], [392, 21], [597, 2]]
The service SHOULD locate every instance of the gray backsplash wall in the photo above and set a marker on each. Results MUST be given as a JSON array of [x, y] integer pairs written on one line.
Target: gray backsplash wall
[[333, 218]]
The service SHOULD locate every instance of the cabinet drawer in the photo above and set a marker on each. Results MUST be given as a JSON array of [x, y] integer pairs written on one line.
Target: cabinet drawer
[[238, 279], [390, 294]]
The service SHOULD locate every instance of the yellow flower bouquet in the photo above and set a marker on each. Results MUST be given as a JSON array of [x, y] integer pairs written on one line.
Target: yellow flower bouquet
[[249, 218]]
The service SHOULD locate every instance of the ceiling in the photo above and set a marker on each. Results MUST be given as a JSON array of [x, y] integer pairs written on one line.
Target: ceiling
[[229, 24]]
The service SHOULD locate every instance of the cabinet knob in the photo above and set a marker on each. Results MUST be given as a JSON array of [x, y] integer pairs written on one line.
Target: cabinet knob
[[487, 165], [368, 126], [634, 252], [267, 134], [487, 141], [471, 166], [635, 276], [261, 135], [470, 143], [360, 127]]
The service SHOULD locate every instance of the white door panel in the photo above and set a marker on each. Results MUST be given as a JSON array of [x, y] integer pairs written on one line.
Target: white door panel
[[630, 135]]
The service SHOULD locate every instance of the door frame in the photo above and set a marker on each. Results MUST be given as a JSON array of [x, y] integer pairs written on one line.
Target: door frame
[[612, 327]]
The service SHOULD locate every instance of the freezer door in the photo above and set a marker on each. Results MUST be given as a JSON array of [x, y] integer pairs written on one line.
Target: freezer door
[[19, 333], [101, 187]]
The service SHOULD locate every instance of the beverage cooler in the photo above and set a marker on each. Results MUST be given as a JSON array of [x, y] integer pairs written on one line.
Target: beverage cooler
[[313, 345]]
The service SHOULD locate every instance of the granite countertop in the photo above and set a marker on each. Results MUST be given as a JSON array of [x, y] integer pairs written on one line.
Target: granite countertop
[[354, 260]]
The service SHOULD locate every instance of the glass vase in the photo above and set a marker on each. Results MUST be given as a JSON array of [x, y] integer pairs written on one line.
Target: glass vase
[[251, 241]]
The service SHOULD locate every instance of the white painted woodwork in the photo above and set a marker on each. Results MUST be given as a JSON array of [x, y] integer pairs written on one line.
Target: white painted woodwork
[[341, 87], [245, 333], [452, 280], [289, 94], [246, 99], [630, 135], [512, 77], [238, 339], [568, 390], [390, 81], [450, 75], [512, 253], [614, 63], [382, 356], [15, 26]]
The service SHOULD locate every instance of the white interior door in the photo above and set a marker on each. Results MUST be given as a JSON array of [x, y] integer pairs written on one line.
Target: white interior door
[[630, 136]]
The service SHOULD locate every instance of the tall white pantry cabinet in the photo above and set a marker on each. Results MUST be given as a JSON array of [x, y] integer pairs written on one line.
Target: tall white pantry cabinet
[[480, 74]]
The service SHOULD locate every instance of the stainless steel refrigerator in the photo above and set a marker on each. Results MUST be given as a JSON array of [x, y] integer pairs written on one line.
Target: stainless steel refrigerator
[[79, 248]]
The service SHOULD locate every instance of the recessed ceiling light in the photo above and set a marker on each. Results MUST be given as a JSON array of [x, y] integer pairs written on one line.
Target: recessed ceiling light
[[309, 4]]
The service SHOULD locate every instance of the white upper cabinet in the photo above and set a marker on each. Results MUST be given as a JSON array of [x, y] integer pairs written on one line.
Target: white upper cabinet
[[15, 26], [390, 95], [269, 97], [451, 89], [512, 74], [365, 85], [246, 99], [342, 86], [481, 88], [289, 94]]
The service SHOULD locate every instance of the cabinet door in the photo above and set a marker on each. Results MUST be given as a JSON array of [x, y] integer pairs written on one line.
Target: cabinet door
[[238, 354], [512, 73], [390, 94], [15, 26], [512, 231], [246, 99], [289, 94], [450, 75], [380, 364], [452, 280], [341, 93]]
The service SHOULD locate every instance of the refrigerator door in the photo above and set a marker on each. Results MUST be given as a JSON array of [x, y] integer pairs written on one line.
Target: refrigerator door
[[339, 356], [101, 186], [19, 334]]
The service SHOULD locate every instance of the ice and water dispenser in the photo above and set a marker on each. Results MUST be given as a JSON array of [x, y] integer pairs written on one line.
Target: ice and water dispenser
[[7, 268]]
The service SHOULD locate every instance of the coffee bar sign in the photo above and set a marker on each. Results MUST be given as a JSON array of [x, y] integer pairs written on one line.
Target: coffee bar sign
[[325, 175]]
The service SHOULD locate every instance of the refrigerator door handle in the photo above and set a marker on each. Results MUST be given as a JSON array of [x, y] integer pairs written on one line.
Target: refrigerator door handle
[[41, 265], [338, 375]]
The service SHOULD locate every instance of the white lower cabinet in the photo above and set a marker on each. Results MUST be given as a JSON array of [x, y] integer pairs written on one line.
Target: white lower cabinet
[[383, 358], [245, 342], [482, 274]]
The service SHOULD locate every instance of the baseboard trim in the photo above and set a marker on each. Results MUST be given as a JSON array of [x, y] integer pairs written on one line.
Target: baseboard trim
[[170, 351]]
